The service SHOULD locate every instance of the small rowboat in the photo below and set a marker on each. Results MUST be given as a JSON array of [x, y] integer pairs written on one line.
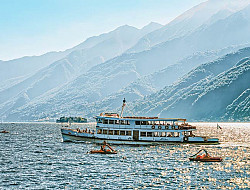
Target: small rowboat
[[102, 152], [4, 131], [205, 157]]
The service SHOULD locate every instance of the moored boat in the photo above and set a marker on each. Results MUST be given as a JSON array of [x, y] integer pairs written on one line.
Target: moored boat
[[116, 129]]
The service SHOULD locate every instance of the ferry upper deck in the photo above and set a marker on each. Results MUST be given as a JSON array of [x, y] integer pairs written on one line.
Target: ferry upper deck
[[112, 120]]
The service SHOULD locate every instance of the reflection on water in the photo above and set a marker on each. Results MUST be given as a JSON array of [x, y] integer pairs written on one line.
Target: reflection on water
[[34, 156]]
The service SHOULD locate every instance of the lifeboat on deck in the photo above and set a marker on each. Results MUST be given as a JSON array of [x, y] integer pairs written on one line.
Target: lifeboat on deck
[[204, 157]]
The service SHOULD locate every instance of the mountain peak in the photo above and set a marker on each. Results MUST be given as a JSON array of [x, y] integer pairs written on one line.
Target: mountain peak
[[152, 25], [125, 27]]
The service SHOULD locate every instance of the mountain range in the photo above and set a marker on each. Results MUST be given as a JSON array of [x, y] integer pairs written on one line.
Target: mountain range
[[207, 92], [196, 66]]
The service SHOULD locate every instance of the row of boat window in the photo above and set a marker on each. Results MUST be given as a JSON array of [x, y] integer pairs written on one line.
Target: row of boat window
[[142, 134], [151, 123], [126, 122], [117, 122], [114, 132], [160, 134]]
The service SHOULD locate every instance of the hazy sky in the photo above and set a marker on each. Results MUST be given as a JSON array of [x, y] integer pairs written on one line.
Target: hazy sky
[[34, 27]]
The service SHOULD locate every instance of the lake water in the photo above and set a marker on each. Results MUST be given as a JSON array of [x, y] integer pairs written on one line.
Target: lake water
[[33, 156]]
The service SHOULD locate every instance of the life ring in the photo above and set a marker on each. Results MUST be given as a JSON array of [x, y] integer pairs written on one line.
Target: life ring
[[185, 139], [153, 126], [159, 126]]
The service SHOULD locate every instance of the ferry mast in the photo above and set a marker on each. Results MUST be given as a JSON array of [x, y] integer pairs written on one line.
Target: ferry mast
[[123, 105]]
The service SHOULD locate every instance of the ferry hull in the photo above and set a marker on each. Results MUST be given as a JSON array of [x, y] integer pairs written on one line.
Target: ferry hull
[[74, 138]]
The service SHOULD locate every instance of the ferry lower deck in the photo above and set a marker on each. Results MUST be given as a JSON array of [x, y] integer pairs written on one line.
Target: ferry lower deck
[[82, 138]]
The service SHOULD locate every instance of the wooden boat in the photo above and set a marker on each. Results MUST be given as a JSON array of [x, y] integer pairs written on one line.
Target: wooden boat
[[205, 157], [4, 131]]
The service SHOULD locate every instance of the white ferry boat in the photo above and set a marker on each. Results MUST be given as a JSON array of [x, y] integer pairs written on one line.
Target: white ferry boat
[[115, 129]]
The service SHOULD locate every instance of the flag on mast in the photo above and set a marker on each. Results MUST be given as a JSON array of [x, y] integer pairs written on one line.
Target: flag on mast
[[218, 127]]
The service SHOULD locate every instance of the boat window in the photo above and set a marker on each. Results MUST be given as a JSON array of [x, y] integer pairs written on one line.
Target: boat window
[[127, 122], [170, 127], [143, 134], [143, 122], [185, 133], [149, 134], [99, 120], [117, 122], [191, 134], [156, 134], [116, 132], [128, 133], [122, 122], [105, 121], [105, 131], [99, 131], [137, 122], [176, 134], [110, 132], [169, 134], [122, 132], [111, 121], [163, 134]]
